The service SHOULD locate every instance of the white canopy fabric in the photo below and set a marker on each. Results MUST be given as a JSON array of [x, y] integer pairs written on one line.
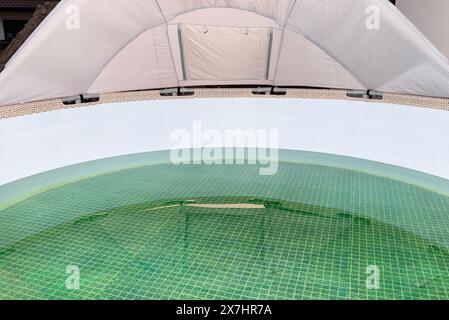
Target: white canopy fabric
[[124, 45], [431, 17]]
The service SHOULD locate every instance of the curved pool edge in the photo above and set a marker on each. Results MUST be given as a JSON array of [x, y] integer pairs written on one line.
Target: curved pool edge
[[353, 189], [403, 136], [16, 191]]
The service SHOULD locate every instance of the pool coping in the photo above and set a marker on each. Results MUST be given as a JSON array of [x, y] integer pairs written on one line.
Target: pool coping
[[19, 110]]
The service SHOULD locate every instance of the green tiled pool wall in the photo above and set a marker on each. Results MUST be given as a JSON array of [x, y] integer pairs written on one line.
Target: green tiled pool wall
[[399, 204], [321, 228]]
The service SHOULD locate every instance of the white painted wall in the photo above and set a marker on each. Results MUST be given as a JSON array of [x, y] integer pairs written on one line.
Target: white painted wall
[[414, 138]]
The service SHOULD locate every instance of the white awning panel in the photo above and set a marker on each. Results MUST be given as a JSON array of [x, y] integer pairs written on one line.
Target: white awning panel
[[225, 53], [123, 45]]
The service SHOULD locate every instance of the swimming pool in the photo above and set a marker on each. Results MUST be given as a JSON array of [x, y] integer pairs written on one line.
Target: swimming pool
[[361, 213], [139, 227]]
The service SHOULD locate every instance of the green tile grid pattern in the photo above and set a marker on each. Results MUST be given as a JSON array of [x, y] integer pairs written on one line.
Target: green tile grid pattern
[[321, 228]]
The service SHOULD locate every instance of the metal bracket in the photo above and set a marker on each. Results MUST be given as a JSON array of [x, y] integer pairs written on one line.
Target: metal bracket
[[274, 91], [361, 94], [89, 98], [81, 98], [176, 92], [375, 95], [72, 100]]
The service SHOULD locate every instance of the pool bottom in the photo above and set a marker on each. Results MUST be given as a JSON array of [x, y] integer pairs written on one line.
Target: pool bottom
[[186, 249]]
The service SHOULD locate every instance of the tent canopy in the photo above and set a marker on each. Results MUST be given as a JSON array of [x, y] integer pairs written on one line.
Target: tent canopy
[[104, 46], [431, 18]]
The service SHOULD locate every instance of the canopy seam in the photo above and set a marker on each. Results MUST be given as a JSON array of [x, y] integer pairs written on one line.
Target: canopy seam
[[120, 50], [282, 41], [168, 41]]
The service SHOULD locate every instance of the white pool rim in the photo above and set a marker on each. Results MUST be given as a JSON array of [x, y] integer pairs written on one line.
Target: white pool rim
[[409, 137]]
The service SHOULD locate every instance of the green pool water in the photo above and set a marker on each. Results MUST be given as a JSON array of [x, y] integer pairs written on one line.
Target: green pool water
[[138, 227]]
